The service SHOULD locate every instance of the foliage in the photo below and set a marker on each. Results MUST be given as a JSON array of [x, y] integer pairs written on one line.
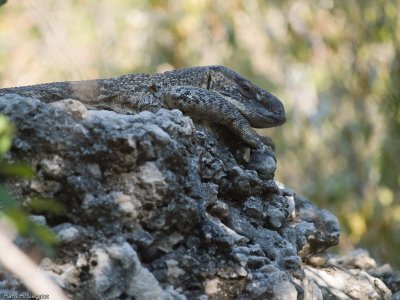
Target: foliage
[[10, 208], [6, 132], [335, 64]]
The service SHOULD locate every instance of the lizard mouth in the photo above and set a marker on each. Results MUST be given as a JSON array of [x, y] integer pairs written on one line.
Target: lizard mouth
[[267, 120], [258, 115], [266, 112], [278, 119]]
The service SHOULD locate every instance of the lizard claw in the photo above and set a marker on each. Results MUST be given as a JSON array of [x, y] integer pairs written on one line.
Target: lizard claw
[[268, 141], [262, 161]]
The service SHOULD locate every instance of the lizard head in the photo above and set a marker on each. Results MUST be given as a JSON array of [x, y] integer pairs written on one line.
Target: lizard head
[[259, 107]]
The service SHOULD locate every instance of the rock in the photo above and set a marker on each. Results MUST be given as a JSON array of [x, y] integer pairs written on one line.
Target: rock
[[159, 208], [68, 233], [338, 283]]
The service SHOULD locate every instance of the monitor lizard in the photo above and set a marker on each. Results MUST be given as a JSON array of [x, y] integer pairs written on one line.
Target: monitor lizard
[[212, 93]]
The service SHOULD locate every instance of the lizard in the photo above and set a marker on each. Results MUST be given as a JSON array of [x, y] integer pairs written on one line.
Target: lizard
[[212, 93]]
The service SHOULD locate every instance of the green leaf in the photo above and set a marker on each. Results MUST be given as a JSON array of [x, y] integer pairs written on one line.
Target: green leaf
[[6, 201], [6, 133], [42, 204], [17, 169], [20, 220], [41, 234], [44, 238], [44, 234], [3, 2]]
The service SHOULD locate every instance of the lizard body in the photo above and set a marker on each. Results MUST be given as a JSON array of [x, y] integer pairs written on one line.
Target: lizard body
[[212, 93]]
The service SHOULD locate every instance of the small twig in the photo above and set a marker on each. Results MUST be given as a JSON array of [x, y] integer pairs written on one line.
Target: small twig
[[26, 270]]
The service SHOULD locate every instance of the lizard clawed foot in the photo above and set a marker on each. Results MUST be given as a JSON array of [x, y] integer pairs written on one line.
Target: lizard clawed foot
[[263, 161], [269, 142]]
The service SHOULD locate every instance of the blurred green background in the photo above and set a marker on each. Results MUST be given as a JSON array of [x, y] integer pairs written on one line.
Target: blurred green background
[[335, 65]]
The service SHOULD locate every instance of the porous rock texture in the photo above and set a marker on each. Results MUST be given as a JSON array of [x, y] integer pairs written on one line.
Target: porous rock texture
[[157, 207]]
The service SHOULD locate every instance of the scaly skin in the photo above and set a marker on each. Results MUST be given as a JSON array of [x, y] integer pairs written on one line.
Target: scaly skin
[[213, 93]]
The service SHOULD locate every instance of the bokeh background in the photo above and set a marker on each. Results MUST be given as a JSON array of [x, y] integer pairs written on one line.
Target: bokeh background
[[335, 65]]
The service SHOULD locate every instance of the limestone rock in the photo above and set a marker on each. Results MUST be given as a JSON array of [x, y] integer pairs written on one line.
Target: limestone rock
[[158, 207]]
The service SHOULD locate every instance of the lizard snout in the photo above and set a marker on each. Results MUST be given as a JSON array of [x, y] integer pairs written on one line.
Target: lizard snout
[[274, 111]]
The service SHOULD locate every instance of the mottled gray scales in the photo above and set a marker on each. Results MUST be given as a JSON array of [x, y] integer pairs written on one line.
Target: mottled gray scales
[[213, 93]]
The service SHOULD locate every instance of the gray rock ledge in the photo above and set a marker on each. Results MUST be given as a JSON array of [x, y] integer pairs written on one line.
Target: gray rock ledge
[[158, 207]]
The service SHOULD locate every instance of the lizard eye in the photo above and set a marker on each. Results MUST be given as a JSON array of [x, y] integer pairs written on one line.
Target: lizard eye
[[246, 89]]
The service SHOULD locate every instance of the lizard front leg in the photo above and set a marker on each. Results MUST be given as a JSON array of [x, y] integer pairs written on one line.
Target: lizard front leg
[[206, 105]]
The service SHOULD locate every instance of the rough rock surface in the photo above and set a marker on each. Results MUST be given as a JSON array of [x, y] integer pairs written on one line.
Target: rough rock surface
[[159, 208]]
